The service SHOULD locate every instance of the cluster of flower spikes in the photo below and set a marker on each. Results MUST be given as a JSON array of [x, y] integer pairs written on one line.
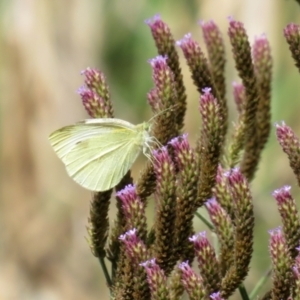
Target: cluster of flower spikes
[[156, 263]]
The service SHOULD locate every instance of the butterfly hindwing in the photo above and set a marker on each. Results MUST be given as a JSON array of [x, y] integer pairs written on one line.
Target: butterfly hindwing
[[100, 168]]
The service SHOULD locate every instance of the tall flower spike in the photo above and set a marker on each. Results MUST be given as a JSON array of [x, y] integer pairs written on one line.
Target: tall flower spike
[[244, 224], [135, 247], [95, 96], [282, 265], [243, 61], [98, 223], [197, 63], [207, 262], [292, 35], [192, 282], [157, 280], [289, 217], [225, 231], [216, 53], [164, 248], [176, 288], [134, 210], [290, 144], [124, 283], [162, 99], [163, 80], [136, 252], [186, 194], [165, 44], [164, 127], [209, 146], [263, 71], [222, 192]]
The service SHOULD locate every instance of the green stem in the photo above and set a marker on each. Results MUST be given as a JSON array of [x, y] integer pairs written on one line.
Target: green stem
[[259, 284], [205, 221], [105, 272], [243, 292]]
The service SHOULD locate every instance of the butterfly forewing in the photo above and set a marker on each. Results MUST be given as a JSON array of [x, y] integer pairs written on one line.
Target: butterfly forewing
[[64, 139]]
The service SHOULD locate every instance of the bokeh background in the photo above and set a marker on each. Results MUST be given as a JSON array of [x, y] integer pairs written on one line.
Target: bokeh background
[[44, 44]]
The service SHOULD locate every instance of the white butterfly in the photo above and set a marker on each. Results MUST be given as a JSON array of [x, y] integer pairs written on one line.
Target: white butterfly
[[98, 153]]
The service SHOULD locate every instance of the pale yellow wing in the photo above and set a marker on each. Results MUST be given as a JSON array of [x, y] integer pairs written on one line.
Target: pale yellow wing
[[101, 169], [98, 154], [65, 138]]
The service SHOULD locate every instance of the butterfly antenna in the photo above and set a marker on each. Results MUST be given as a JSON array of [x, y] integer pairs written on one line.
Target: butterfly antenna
[[163, 111]]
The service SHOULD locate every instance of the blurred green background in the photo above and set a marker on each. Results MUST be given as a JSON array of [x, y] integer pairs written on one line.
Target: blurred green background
[[44, 46]]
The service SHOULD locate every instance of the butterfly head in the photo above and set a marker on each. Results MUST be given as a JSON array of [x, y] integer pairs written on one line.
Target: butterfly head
[[149, 142]]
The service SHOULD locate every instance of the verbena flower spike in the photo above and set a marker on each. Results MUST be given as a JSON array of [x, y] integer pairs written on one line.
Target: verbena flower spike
[[207, 262], [282, 265], [156, 279], [182, 179], [292, 35], [192, 282], [165, 44]]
